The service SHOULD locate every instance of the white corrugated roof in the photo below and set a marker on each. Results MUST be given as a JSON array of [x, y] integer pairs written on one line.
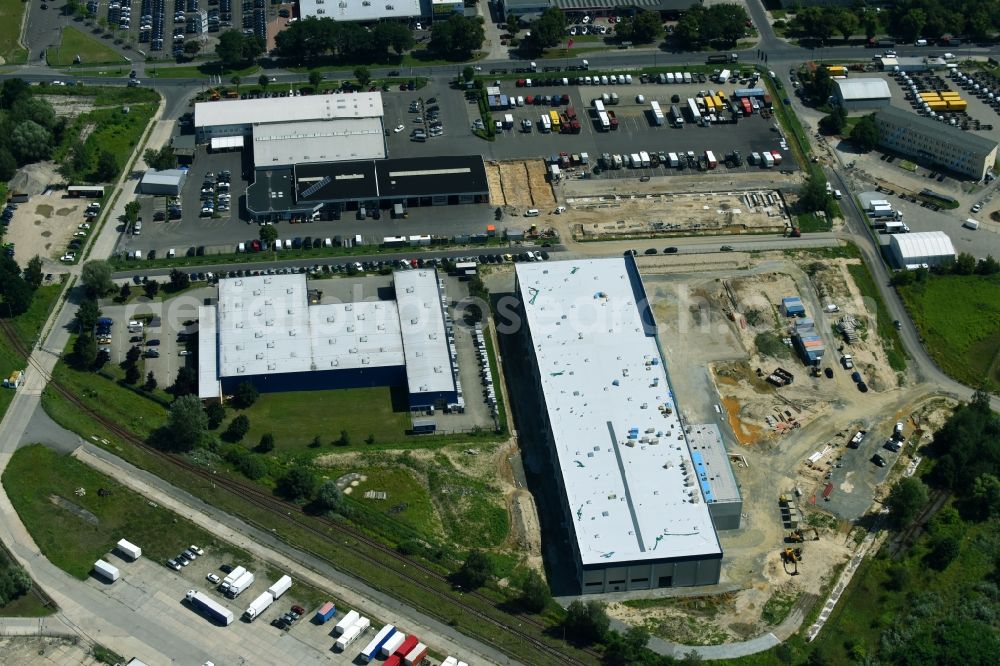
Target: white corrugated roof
[[425, 342], [359, 10], [280, 144], [288, 109], [631, 497], [208, 357], [165, 177], [922, 244], [860, 89]]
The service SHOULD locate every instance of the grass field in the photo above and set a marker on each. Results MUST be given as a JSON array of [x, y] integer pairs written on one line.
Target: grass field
[[91, 50], [28, 326], [958, 317], [114, 131], [890, 336], [33, 604], [11, 12], [206, 69], [296, 418], [74, 540]]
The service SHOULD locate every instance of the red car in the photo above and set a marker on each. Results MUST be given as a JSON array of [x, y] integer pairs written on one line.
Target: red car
[[299, 609], [255, 245]]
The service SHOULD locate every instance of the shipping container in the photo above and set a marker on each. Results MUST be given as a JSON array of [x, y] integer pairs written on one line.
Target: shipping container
[[258, 606], [406, 646], [132, 551], [393, 660], [325, 612], [375, 645], [210, 608], [392, 643], [415, 655], [106, 570], [347, 621], [280, 587]]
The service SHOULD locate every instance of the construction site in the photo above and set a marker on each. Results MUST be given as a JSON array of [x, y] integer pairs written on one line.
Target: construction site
[[520, 184]]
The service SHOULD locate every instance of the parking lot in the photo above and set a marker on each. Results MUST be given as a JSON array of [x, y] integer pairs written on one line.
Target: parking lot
[[161, 591]]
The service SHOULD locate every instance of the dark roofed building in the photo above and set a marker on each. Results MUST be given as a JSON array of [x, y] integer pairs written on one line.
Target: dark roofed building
[[531, 9]]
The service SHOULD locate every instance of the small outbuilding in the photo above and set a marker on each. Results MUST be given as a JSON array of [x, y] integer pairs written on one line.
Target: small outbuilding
[[916, 249], [862, 93], [163, 183]]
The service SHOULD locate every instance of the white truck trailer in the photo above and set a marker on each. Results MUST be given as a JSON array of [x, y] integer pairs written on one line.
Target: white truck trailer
[[347, 621], [393, 643], [280, 586], [258, 606], [240, 585], [130, 550], [657, 112], [106, 570]]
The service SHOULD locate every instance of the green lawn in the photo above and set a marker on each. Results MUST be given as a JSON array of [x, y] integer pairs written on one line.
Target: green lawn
[[958, 317], [11, 12], [198, 71], [890, 336], [33, 604], [91, 50], [114, 131], [70, 539], [105, 95], [407, 504], [295, 418]]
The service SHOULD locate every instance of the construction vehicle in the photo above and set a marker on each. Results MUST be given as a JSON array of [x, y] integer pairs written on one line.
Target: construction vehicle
[[793, 556], [799, 535]]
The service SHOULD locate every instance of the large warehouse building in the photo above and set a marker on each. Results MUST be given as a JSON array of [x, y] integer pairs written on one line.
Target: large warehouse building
[[862, 94], [263, 330], [935, 143], [640, 491], [917, 249]]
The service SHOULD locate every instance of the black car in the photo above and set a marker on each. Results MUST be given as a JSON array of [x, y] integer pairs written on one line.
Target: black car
[[153, 343], [829, 373], [670, 250], [726, 248], [651, 250], [226, 568], [878, 460]]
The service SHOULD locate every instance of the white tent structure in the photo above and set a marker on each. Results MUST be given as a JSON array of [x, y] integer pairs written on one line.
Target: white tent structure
[[916, 249]]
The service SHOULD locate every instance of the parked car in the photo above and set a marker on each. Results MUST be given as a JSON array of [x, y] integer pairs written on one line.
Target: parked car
[[173, 565], [213, 579], [878, 460]]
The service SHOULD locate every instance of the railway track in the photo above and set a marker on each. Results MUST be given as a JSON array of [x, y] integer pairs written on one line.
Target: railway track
[[405, 567], [908, 537]]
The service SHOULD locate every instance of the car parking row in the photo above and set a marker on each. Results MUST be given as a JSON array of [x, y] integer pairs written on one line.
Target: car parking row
[[80, 235], [188, 19], [215, 195]]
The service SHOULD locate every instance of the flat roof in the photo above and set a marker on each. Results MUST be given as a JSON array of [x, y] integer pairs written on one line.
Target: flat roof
[[279, 144], [165, 177], [421, 176], [425, 340], [711, 463], [285, 109], [332, 181], [628, 473], [863, 88], [208, 357], [359, 10], [928, 126], [271, 191], [266, 326]]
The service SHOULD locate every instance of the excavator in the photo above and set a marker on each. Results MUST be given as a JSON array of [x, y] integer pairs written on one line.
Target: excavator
[[799, 535], [793, 556]]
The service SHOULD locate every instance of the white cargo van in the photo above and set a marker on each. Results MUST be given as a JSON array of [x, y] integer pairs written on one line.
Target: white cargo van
[[242, 247], [971, 224], [531, 212]]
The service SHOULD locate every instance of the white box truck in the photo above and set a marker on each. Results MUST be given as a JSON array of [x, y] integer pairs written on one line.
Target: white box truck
[[231, 576], [347, 621], [971, 224], [130, 550], [280, 586], [674, 161], [258, 606], [635, 161], [644, 158], [240, 585], [106, 570], [348, 637]]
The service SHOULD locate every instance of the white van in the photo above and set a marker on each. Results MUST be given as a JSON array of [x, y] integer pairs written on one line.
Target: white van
[[327, 242], [137, 229], [971, 224], [171, 253], [288, 243], [242, 247], [135, 326], [277, 244], [531, 212]]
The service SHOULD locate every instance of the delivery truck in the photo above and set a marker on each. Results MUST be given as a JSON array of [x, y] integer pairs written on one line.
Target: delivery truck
[[106, 570], [258, 606], [971, 224], [130, 550], [347, 621], [240, 585], [375, 645], [210, 608], [280, 586], [325, 612], [710, 158]]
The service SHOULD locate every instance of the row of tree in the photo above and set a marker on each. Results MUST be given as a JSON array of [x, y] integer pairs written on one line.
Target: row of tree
[[17, 287], [724, 23], [907, 20], [313, 38], [14, 581]]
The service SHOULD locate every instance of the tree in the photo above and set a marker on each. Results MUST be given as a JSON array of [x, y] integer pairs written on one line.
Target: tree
[[237, 429], [151, 288], [33, 272], [586, 622], [834, 123], [132, 374], [17, 295], [236, 50], [266, 444], [150, 384], [468, 73], [107, 166], [513, 25], [215, 412], [905, 500], [315, 78], [475, 571], [30, 142], [246, 394], [299, 483], [8, 165], [186, 381], [864, 135], [96, 277], [535, 594], [329, 497], [87, 315], [344, 439], [986, 493], [363, 75], [645, 27], [162, 159], [813, 195], [268, 234], [396, 35], [125, 292], [236, 81], [264, 81], [132, 356], [84, 351], [548, 31], [457, 37], [944, 549], [965, 264], [187, 424], [688, 30], [988, 266], [847, 23], [179, 280], [628, 648], [192, 47]]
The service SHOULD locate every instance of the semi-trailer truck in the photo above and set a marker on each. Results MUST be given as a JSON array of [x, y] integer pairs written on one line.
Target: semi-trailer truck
[[258, 606], [210, 608], [722, 57], [693, 110], [351, 633], [374, 646], [654, 107], [232, 576]]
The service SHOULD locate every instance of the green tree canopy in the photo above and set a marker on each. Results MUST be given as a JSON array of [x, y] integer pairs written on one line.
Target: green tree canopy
[[906, 499], [236, 50], [864, 135], [457, 37], [586, 622], [299, 483], [187, 424], [475, 571], [96, 277]]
